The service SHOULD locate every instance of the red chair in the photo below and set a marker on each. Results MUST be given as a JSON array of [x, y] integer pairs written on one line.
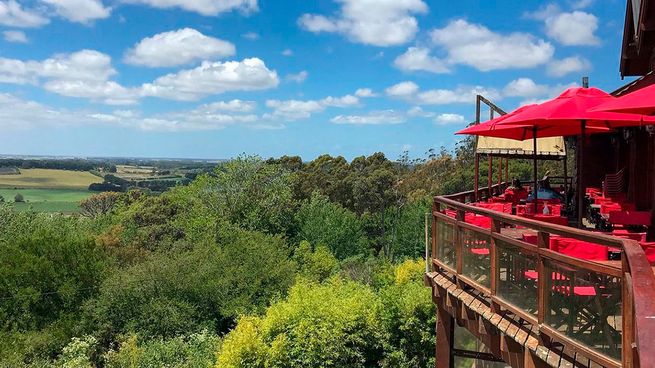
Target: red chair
[[649, 249]]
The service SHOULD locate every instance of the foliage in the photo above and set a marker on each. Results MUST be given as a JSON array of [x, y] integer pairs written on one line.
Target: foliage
[[77, 354], [99, 204], [249, 193], [206, 287], [326, 223], [330, 325], [316, 265], [18, 198], [191, 351]]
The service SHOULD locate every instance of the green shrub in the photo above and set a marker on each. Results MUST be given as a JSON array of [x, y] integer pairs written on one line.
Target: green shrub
[[316, 265], [329, 325]]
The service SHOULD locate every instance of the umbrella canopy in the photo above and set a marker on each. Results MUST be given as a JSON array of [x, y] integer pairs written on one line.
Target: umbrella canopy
[[641, 101], [495, 128], [573, 108]]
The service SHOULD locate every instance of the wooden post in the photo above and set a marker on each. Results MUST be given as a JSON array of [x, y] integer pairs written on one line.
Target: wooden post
[[535, 190], [580, 162], [500, 172], [543, 241], [434, 232], [490, 174], [445, 337], [476, 182], [507, 170]]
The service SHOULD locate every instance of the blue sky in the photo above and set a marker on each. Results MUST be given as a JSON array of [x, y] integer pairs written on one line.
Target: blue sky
[[216, 78]]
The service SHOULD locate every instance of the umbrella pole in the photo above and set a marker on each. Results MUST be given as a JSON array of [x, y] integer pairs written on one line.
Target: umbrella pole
[[581, 188], [534, 152]]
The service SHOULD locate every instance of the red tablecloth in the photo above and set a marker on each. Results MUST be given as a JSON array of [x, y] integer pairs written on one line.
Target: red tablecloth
[[551, 219]]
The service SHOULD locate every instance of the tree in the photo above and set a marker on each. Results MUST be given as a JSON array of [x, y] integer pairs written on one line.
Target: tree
[[326, 223], [247, 192], [99, 204], [18, 198]]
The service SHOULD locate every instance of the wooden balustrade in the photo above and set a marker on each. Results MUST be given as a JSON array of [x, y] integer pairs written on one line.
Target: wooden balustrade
[[604, 310]]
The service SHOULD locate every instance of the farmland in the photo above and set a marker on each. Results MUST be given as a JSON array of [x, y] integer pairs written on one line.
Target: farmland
[[49, 179], [46, 200]]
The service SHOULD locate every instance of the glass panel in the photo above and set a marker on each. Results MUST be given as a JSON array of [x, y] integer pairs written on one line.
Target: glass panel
[[517, 277], [585, 306], [476, 256], [446, 243]]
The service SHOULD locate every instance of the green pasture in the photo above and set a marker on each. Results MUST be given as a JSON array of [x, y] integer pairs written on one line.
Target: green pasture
[[46, 200]]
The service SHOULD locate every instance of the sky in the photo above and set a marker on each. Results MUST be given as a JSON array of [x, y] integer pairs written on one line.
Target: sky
[[214, 79]]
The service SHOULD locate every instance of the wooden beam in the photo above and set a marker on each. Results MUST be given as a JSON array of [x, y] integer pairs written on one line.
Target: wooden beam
[[445, 337]]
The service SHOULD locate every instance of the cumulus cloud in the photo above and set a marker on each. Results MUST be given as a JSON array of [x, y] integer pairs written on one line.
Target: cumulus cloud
[[524, 87], [402, 89], [213, 78], [574, 64], [231, 106], [446, 119], [371, 22], [299, 109], [411, 92], [419, 59], [80, 11], [12, 14], [417, 111], [204, 7], [371, 118], [250, 36], [297, 77], [287, 52], [365, 92], [15, 36], [179, 47], [477, 46], [85, 73], [573, 29]]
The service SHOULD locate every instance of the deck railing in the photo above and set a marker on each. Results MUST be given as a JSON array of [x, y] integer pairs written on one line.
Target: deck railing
[[604, 310]]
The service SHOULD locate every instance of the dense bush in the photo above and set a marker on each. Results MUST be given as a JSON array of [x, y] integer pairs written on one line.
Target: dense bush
[[327, 223], [173, 293], [330, 325]]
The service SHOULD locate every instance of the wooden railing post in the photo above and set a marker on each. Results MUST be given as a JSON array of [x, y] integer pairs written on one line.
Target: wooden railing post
[[435, 207], [495, 228], [543, 241], [627, 312], [459, 242]]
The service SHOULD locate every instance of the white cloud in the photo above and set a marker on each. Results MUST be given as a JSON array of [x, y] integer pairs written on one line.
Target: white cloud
[[204, 7], [581, 4], [84, 74], [287, 52], [294, 109], [572, 29], [419, 59], [231, 106], [402, 89], [476, 46], [574, 64], [15, 36], [12, 14], [250, 36], [417, 111], [80, 11], [213, 78], [372, 118], [410, 92], [372, 22], [445, 119], [179, 47], [524, 87], [345, 101], [365, 92], [297, 77], [298, 109]]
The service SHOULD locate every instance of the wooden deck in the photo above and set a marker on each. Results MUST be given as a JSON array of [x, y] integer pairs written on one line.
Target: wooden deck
[[531, 306]]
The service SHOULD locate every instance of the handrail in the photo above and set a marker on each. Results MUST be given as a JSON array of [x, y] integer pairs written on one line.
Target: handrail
[[638, 281]]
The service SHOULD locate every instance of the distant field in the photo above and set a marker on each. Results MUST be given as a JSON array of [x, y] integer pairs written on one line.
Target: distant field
[[47, 200], [49, 179]]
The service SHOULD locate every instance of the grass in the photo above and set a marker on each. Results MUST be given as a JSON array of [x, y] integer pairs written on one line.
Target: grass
[[49, 179], [46, 200]]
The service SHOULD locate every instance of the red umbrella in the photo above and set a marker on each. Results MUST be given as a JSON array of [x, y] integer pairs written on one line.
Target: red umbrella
[[571, 109], [641, 101]]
